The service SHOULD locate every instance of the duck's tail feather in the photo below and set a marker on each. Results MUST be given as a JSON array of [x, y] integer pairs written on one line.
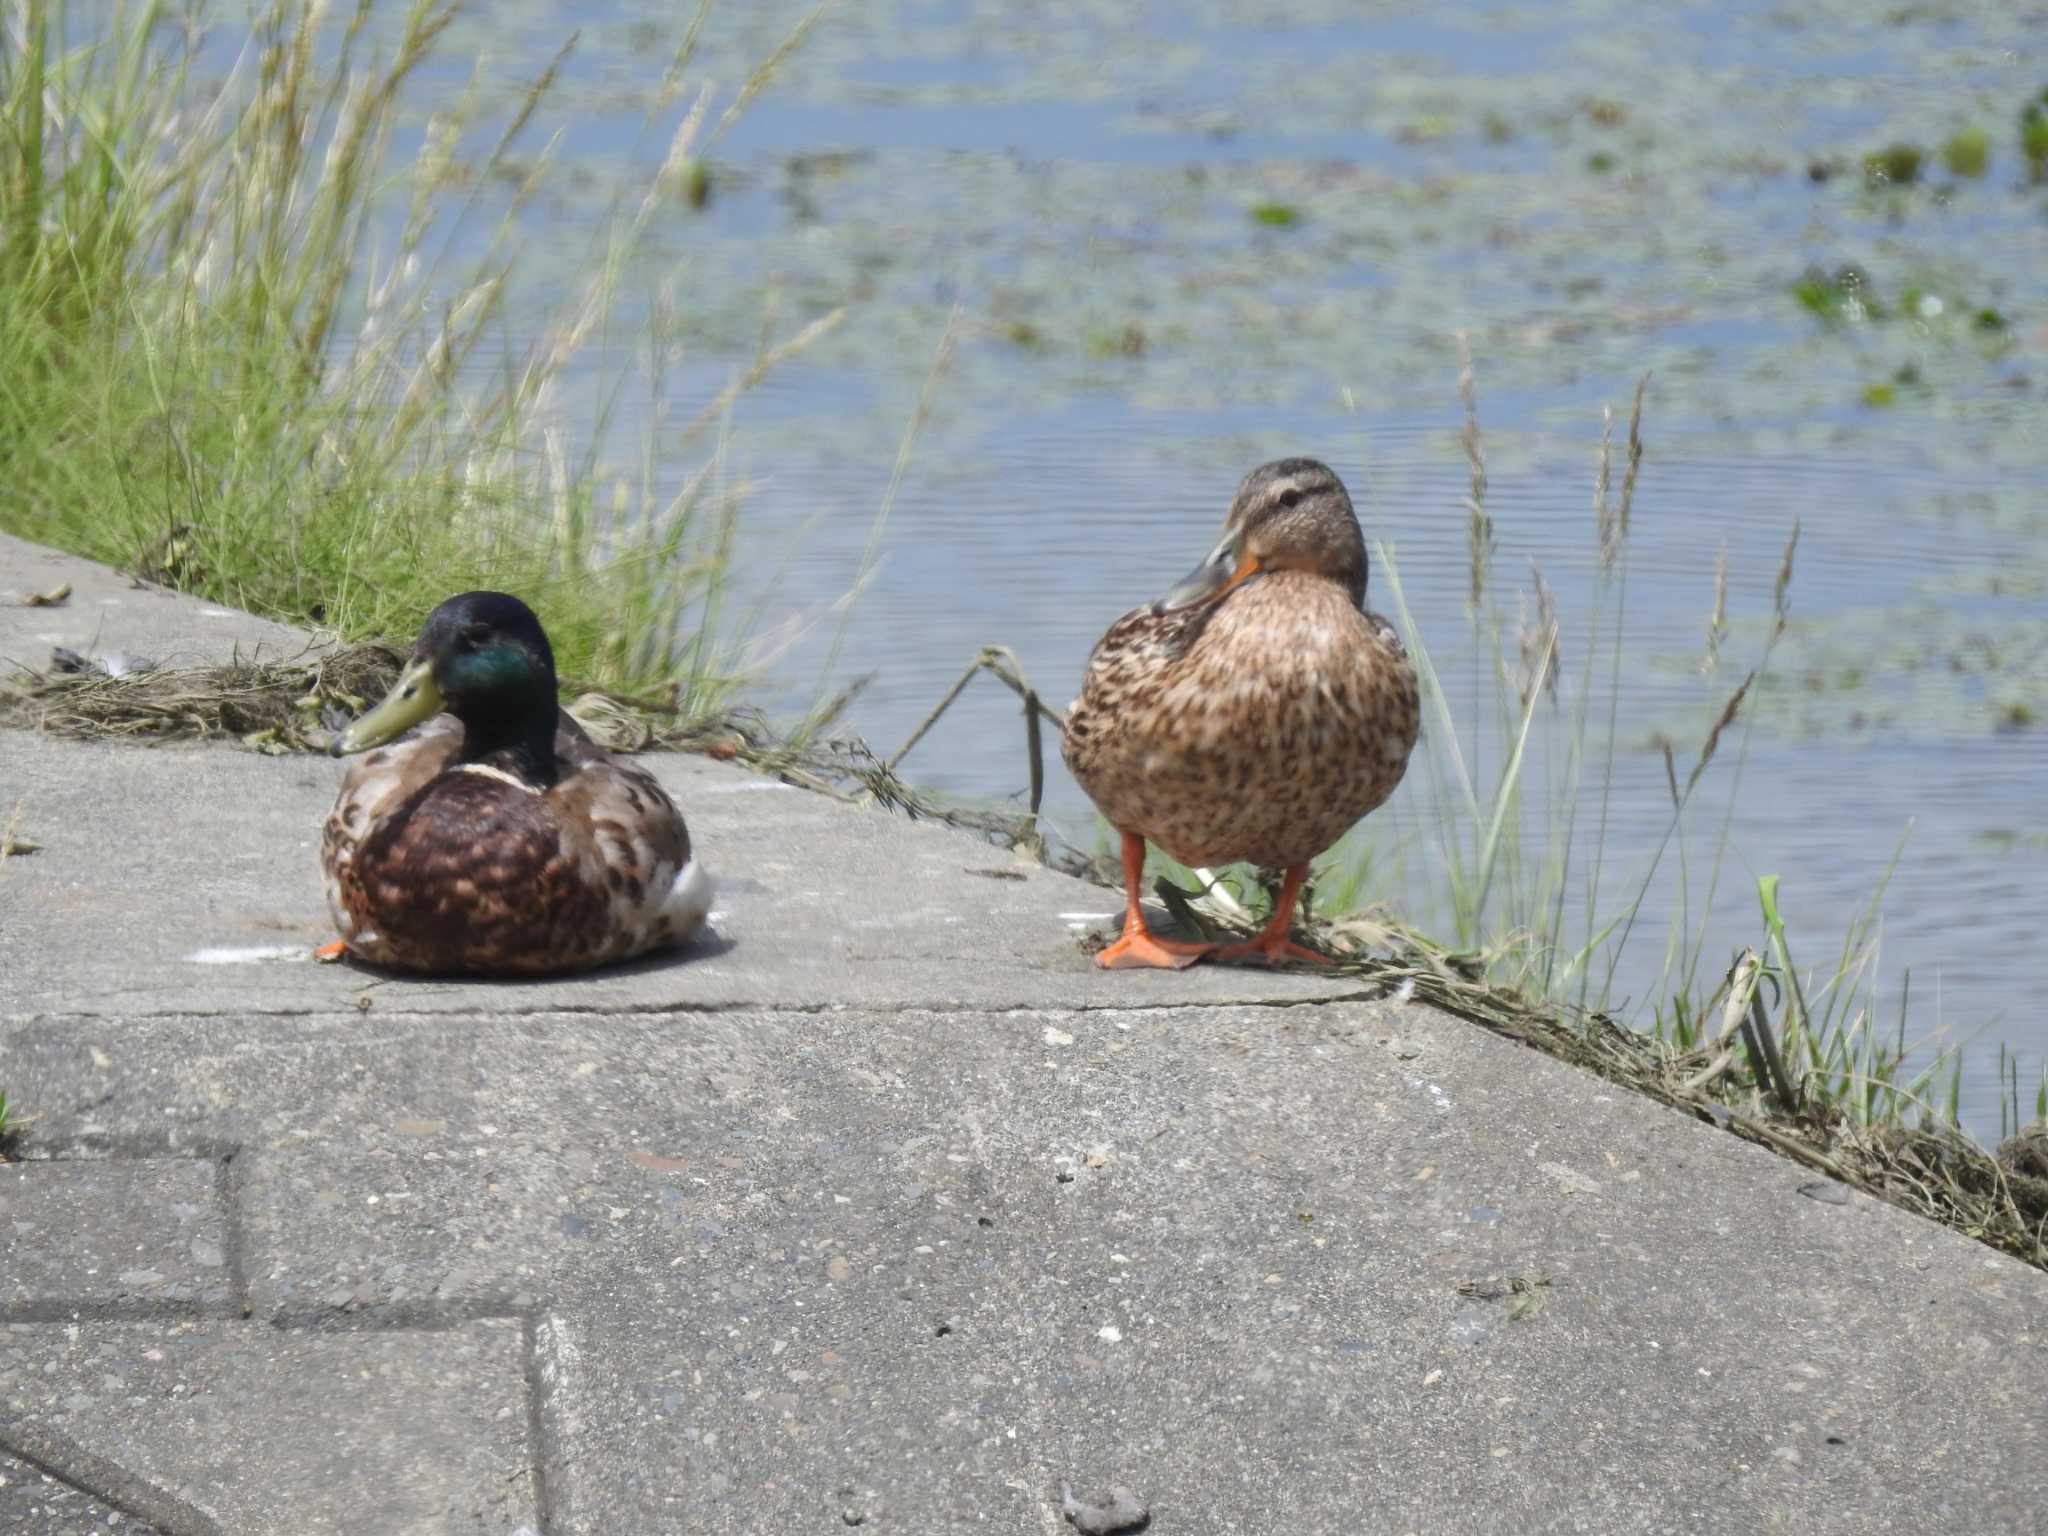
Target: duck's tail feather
[[689, 899]]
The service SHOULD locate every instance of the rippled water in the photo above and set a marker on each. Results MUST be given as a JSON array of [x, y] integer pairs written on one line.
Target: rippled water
[[1176, 239]]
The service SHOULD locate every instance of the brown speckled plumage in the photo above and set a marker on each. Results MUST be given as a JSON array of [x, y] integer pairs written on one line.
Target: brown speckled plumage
[[1262, 724], [438, 860], [1262, 735]]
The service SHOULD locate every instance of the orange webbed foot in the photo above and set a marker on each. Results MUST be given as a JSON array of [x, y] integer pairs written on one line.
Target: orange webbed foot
[[1141, 949], [1267, 950], [328, 953], [1272, 946]]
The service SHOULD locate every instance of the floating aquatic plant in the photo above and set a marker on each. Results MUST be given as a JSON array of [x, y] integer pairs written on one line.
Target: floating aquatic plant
[[1967, 153]]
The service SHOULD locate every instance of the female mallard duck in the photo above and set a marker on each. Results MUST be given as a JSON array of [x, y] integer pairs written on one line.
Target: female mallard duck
[[499, 838], [1254, 713]]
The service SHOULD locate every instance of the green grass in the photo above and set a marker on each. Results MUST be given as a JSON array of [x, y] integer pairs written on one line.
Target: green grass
[[208, 374], [2014, 1109]]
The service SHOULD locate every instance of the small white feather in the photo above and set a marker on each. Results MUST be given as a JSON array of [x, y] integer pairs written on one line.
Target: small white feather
[[689, 899], [490, 771]]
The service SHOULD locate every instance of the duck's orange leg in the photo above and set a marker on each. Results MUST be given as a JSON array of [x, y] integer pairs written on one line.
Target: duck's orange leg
[[1272, 945], [1139, 946], [330, 952]]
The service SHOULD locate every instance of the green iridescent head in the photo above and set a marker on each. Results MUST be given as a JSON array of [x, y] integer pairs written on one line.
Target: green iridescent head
[[482, 657]]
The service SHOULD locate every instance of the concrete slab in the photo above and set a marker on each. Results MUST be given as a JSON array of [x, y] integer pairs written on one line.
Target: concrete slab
[[110, 611], [183, 879], [101, 1239], [1222, 1263], [918, 1266], [248, 1431], [424, 1167]]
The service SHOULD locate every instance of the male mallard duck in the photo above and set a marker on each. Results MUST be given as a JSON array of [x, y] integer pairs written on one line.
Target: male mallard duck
[[1254, 713], [499, 837]]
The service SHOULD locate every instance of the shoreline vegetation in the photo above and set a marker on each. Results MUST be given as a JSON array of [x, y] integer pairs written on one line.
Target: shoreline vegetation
[[255, 345], [244, 356]]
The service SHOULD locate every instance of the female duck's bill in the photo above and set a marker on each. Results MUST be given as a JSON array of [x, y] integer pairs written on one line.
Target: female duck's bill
[[1228, 567]]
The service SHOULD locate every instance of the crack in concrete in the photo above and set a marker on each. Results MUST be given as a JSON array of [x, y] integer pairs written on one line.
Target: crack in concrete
[[44, 1313], [96, 1146], [691, 1009], [227, 1187], [405, 1316], [97, 1478]]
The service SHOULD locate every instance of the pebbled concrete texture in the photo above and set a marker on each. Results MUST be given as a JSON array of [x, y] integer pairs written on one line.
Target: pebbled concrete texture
[[1234, 1285], [142, 1235], [883, 1210], [110, 612], [239, 1427], [1221, 1262]]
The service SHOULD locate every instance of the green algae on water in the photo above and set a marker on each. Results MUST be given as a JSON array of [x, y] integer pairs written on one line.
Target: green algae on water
[[1894, 165], [1967, 153], [2034, 136]]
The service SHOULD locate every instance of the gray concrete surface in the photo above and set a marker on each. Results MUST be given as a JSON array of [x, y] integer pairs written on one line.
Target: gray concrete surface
[[33, 1503], [241, 1427], [146, 1235], [820, 904], [882, 1209], [111, 612]]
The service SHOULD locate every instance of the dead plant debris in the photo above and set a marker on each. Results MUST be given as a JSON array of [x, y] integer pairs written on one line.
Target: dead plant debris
[[55, 597], [1494, 1287], [277, 706], [12, 844], [2025, 1152]]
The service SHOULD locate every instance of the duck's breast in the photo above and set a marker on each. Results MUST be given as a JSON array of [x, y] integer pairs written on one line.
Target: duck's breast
[[1289, 717]]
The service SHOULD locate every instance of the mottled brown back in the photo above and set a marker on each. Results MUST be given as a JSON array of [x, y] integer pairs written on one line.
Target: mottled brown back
[[435, 866]]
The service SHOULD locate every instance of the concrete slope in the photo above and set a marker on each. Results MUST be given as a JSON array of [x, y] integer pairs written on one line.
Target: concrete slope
[[881, 1209]]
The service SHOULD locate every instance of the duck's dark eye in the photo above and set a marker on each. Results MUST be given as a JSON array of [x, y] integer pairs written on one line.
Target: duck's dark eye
[[1290, 497], [473, 636]]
